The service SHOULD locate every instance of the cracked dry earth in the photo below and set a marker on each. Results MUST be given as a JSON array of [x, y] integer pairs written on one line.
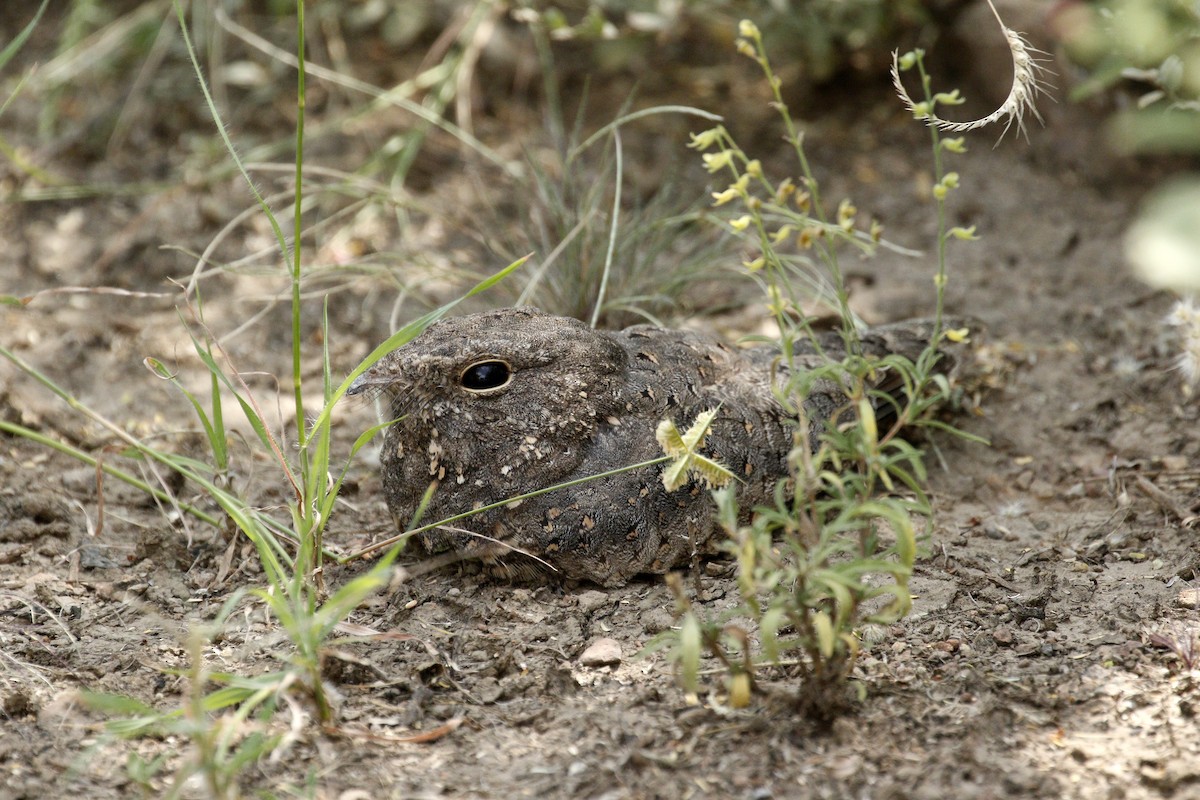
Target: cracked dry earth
[[1035, 663]]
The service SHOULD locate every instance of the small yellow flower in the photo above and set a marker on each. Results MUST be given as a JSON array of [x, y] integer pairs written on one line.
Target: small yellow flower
[[803, 202], [845, 214], [740, 687], [735, 190], [741, 223], [755, 265], [786, 189], [748, 29], [754, 169], [958, 335], [704, 139], [721, 198], [781, 234], [715, 162], [949, 98], [776, 304], [745, 48]]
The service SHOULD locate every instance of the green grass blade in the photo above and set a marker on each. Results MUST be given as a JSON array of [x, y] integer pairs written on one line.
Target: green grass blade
[[16, 44]]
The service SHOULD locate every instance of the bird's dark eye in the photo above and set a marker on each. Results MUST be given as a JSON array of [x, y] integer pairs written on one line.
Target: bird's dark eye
[[484, 376]]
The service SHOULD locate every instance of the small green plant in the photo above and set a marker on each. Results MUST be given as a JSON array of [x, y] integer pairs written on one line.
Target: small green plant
[[1151, 45], [229, 718], [836, 549]]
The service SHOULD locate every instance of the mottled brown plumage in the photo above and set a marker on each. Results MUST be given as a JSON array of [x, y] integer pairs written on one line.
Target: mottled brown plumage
[[497, 404]]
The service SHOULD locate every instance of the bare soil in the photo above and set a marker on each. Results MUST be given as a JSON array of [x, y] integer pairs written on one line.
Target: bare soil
[[1028, 668]]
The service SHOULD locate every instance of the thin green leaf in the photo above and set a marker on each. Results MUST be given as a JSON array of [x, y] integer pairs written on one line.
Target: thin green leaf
[[690, 640], [768, 628], [17, 43], [823, 627]]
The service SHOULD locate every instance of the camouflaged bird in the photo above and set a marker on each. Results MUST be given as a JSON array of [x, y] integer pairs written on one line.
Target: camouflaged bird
[[498, 404]]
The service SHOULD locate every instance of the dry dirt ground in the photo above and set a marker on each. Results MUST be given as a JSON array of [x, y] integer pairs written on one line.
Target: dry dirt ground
[[1029, 666]]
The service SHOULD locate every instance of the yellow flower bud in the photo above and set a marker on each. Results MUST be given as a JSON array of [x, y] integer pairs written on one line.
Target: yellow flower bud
[[721, 198], [958, 335], [845, 214], [748, 29], [704, 139], [715, 162], [786, 189]]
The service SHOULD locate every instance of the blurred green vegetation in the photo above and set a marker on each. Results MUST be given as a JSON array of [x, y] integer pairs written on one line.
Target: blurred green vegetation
[[1152, 46], [402, 95]]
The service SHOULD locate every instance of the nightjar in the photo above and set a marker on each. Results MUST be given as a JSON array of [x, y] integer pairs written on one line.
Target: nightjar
[[498, 404]]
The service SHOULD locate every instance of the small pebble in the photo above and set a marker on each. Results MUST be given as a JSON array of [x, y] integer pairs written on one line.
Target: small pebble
[[601, 653], [1188, 598], [1043, 490], [657, 620], [591, 600], [1174, 463]]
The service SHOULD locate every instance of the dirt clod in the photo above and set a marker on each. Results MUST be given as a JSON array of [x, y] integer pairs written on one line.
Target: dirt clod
[[601, 653]]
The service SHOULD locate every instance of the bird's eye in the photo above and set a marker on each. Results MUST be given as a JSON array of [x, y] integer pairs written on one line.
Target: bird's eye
[[484, 376]]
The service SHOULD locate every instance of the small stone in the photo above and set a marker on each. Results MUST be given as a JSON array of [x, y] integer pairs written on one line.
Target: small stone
[[1003, 636], [994, 531], [487, 690], [1188, 598], [591, 600], [657, 620], [80, 479], [716, 569], [601, 653], [1174, 463], [1043, 490]]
